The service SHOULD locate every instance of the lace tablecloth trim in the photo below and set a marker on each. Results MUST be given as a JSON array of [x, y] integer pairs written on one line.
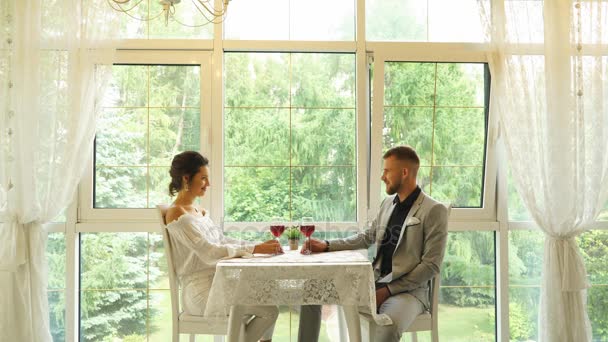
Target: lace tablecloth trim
[[341, 278]]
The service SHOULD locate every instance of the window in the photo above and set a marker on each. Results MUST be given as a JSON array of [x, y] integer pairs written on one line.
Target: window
[[135, 24], [440, 109], [290, 138], [517, 209], [525, 266], [467, 289], [151, 112], [604, 213], [278, 98], [291, 20], [124, 290], [428, 21], [55, 256]]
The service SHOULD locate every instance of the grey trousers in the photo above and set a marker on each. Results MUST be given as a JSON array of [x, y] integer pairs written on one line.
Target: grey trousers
[[253, 323], [402, 309]]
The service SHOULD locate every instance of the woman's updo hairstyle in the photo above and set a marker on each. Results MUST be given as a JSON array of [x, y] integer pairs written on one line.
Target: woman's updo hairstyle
[[187, 163]]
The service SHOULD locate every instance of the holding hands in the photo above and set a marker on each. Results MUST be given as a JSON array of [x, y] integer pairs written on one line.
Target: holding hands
[[314, 245], [268, 247]]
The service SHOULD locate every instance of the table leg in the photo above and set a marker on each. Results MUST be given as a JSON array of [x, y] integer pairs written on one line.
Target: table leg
[[342, 328], [353, 323], [234, 324]]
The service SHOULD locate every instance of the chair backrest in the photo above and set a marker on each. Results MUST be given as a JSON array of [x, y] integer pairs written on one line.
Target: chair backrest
[[173, 284], [434, 288]]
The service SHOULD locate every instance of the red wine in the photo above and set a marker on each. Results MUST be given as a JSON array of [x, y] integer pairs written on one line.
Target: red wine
[[307, 230], [277, 230]]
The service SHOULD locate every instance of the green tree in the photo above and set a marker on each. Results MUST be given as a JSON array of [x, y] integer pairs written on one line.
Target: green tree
[[113, 274], [152, 113], [438, 108], [290, 136], [594, 247], [55, 254], [468, 269]]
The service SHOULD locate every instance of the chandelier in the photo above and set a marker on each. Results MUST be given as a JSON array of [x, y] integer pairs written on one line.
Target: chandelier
[[207, 9]]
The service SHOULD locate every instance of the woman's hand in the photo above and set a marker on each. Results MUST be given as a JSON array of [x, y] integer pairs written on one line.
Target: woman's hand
[[268, 247]]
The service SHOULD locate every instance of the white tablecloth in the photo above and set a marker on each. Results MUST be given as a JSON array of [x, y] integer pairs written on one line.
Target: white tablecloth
[[343, 278]]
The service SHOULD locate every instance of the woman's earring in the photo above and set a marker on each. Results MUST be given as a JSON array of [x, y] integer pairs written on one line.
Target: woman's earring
[[186, 187]]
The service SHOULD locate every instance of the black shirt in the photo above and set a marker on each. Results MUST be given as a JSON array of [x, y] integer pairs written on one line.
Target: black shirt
[[393, 230]]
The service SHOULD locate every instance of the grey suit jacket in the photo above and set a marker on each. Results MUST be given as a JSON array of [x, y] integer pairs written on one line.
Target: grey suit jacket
[[420, 248]]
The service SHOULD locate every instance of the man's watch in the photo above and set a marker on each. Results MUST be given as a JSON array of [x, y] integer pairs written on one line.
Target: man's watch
[[326, 246]]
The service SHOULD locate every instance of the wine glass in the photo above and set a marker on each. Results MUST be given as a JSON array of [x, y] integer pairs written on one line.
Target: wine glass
[[277, 227], [307, 227]]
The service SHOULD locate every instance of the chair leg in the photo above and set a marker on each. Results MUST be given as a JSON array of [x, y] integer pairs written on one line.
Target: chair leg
[[353, 322], [434, 335], [414, 337], [342, 329], [175, 334], [192, 338], [371, 331]]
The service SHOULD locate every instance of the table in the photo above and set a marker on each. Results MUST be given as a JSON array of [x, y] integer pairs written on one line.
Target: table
[[343, 278]]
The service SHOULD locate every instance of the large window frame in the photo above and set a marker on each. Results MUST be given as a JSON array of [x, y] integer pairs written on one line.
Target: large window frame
[[209, 55], [81, 217], [485, 216], [369, 121], [87, 214]]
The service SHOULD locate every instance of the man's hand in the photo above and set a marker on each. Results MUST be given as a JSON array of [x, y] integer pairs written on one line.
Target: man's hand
[[315, 246], [268, 247], [382, 295]]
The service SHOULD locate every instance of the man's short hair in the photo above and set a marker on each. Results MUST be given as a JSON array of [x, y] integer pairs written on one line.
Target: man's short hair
[[403, 153]]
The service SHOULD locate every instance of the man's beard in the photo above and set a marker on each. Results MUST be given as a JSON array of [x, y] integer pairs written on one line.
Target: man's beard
[[393, 189]]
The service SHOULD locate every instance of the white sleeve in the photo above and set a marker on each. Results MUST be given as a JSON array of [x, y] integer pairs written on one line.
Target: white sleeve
[[226, 239], [190, 237]]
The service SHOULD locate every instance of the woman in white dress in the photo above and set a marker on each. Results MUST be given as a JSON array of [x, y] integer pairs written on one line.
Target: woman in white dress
[[198, 245]]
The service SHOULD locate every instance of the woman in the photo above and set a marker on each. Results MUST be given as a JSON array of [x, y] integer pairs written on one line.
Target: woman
[[198, 245]]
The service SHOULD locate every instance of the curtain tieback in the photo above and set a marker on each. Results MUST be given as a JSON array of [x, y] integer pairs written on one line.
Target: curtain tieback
[[571, 265], [12, 243]]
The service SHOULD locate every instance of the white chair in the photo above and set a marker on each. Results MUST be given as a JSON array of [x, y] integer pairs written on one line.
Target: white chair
[[183, 323], [424, 322]]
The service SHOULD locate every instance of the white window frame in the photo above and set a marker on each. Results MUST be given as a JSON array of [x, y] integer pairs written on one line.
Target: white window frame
[[435, 53], [82, 218], [136, 217], [360, 129]]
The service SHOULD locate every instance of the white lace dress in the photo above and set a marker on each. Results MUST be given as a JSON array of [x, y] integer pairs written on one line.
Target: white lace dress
[[197, 247]]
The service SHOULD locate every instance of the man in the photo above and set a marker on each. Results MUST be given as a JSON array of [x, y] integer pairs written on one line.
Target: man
[[410, 232]]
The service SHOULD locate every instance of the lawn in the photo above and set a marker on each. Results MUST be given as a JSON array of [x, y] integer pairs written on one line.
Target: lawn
[[455, 324]]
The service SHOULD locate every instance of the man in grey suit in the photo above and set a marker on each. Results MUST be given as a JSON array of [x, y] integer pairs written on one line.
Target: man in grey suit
[[410, 233]]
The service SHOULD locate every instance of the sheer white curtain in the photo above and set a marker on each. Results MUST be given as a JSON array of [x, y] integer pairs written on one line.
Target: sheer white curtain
[[548, 64], [54, 60]]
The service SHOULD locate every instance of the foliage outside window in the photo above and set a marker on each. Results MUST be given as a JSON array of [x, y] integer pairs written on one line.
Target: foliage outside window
[[289, 136], [517, 209], [467, 299], [427, 21], [55, 256], [604, 213], [124, 291], [151, 113], [519, 212], [525, 266], [440, 110]]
